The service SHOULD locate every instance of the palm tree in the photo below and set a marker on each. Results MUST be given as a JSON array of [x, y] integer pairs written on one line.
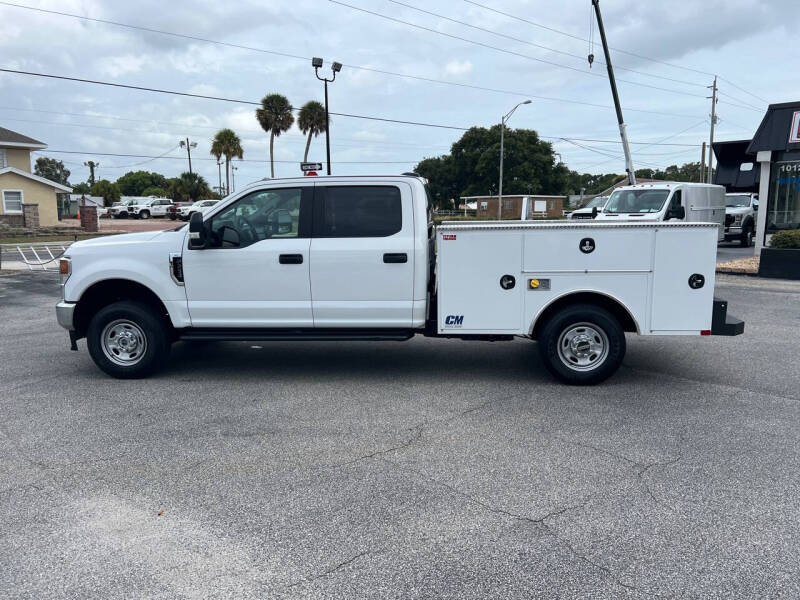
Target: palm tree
[[311, 120], [191, 186], [227, 143], [275, 116]]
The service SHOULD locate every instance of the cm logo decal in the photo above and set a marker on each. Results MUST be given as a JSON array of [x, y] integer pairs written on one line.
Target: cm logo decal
[[454, 320], [587, 245]]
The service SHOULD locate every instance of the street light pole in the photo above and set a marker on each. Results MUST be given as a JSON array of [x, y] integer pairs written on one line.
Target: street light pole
[[219, 174], [186, 144], [335, 68], [233, 177], [502, 140]]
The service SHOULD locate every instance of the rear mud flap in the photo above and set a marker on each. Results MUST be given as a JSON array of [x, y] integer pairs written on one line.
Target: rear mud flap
[[722, 323]]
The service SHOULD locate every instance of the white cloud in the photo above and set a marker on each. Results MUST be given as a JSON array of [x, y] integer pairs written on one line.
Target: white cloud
[[120, 65], [458, 67]]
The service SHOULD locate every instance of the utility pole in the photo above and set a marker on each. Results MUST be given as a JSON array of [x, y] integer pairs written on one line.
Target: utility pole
[[234, 168], [713, 97], [335, 68], [622, 131], [92, 166], [703, 163], [189, 146], [219, 173]]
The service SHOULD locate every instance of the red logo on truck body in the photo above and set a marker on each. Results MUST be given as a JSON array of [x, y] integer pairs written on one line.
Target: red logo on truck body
[[448, 236]]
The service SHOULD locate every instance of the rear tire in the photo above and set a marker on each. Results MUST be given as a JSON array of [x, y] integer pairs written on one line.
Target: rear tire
[[582, 344], [128, 340]]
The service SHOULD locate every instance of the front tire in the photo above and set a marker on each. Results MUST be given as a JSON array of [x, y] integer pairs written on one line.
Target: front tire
[[128, 340], [145, 214], [747, 237], [582, 344]]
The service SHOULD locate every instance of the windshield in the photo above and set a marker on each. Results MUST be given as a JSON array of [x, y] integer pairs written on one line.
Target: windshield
[[737, 200], [636, 201]]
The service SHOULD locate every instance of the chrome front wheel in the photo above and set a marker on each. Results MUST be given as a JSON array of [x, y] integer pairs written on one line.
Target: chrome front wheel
[[123, 342]]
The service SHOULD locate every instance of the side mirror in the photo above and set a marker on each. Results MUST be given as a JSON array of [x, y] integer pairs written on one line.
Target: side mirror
[[755, 205], [594, 212], [197, 231], [676, 213]]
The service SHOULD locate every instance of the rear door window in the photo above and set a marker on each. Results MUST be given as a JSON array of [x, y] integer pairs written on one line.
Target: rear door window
[[359, 211]]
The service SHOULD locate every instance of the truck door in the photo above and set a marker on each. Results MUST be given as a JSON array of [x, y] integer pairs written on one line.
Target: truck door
[[362, 255], [255, 270]]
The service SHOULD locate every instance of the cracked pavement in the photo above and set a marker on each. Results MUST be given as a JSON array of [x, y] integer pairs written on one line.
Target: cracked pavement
[[424, 469]]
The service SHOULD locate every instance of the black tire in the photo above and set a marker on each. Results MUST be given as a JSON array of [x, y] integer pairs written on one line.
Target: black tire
[[144, 323], [747, 236], [172, 217], [145, 214], [599, 329]]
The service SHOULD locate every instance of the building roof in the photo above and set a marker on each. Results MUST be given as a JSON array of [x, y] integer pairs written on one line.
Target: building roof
[[13, 139], [775, 129], [730, 158], [53, 184]]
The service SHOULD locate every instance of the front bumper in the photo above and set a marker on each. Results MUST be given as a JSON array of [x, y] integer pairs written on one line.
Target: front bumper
[[64, 312]]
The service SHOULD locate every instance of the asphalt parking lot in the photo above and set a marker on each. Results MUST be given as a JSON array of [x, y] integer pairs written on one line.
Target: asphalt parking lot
[[424, 469]]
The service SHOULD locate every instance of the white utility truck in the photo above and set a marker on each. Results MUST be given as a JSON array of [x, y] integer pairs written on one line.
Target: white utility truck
[[359, 258], [667, 201], [740, 218]]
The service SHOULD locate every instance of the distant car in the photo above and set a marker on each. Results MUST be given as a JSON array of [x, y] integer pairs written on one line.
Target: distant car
[[150, 207], [119, 210], [199, 206], [587, 211], [173, 211], [740, 218]]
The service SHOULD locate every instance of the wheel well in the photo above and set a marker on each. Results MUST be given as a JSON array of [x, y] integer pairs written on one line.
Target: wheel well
[[107, 292], [619, 312]]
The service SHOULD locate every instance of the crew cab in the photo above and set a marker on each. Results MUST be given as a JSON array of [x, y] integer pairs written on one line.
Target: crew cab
[[359, 258], [740, 218], [665, 201], [149, 207]]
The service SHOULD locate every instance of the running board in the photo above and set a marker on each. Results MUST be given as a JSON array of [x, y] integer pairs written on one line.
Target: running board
[[246, 334]]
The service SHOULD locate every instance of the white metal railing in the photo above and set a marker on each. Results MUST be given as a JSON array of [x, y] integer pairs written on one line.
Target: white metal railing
[[36, 257]]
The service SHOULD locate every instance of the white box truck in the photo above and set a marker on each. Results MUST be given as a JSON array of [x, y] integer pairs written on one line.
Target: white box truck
[[359, 258], [668, 201]]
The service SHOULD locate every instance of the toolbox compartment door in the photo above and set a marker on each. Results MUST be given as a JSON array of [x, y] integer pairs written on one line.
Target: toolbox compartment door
[[471, 299]]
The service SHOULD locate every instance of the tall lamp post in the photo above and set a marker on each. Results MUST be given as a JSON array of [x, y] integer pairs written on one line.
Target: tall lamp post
[[335, 67], [502, 140], [234, 168], [186, 144]]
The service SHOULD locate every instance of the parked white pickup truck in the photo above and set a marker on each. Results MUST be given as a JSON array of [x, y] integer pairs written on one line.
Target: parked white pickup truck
[[359, 258], [150, 206]]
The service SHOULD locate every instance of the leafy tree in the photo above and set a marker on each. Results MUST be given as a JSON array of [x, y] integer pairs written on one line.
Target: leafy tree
[[109, 191], [80, 188], [134, 183], [226, 143], [275, 116], [154, 191], [188, 187], [52, 169], [311, 120]]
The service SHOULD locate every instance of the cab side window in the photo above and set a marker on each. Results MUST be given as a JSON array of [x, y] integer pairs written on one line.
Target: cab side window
[[360, 211], [261, 215], [675, 203]]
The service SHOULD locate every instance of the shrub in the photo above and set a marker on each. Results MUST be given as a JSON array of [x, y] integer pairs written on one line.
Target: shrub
[[788, 238]]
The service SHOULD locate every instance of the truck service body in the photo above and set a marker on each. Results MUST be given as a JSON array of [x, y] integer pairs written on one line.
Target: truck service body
[[343, 258]]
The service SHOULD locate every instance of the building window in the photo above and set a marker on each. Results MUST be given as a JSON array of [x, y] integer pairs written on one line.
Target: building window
[[3, 158], [508, 204], [783, 211], [12, 201]]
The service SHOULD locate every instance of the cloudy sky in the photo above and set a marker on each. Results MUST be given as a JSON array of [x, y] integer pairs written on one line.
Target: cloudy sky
[[431, 73]]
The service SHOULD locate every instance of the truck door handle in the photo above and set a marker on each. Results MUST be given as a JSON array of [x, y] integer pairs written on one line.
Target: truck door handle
[[290, 259], [395, 257]]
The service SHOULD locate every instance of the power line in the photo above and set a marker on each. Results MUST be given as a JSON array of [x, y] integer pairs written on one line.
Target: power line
[[535, 45], [642, 56], [252, 160], [348, 65], [510, 52]]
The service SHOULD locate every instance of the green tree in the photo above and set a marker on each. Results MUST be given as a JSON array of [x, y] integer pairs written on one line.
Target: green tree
[[311, 120], [109, 191], [275, 116], [189, 187], [52, 169], [134, 183], [226, 143], [81, 188], [160, 192]]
